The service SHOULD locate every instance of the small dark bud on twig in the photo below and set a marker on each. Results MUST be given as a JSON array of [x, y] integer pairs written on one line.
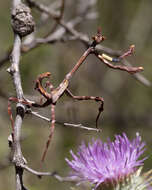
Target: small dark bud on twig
[[22, 20], [20, 109]]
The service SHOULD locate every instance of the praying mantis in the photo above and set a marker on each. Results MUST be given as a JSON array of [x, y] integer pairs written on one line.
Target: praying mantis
[[54, 94]]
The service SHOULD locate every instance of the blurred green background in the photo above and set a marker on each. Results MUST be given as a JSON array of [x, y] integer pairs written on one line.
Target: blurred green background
[[128, 103]]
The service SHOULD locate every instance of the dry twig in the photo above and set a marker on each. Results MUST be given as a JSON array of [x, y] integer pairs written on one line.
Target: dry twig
[[20, 13]]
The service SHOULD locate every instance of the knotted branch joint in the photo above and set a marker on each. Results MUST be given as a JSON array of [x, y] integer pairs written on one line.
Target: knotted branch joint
[[22, 20]]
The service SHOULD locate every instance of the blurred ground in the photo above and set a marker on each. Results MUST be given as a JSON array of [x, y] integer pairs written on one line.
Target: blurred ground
[[128, 104]]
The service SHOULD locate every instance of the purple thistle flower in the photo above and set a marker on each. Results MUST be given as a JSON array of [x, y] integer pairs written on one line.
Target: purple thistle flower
[[106, 162]]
